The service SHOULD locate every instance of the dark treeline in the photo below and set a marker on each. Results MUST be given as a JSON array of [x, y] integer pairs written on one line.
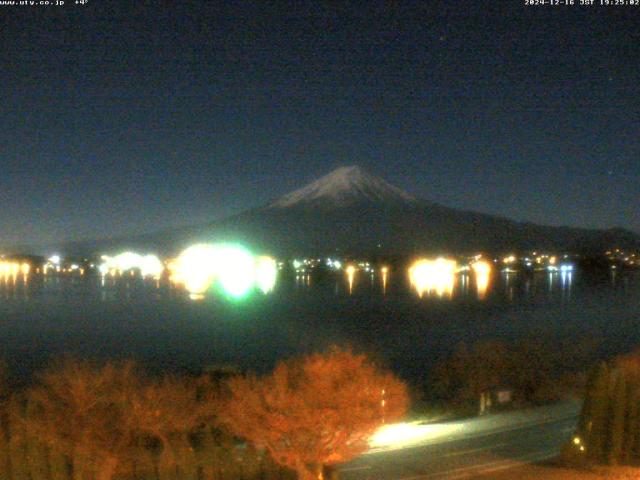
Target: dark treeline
[[535, 370], [83, 421], [609, 427]]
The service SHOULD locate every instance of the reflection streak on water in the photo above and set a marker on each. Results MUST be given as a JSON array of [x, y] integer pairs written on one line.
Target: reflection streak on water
[[566, 280], [351, 272], [384, 271], [482, 271], [477, 283]]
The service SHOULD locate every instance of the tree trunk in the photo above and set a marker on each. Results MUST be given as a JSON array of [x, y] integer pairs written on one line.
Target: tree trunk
[[310, 472], [78, 467], [167, 460], [4, 450], [108, 469]]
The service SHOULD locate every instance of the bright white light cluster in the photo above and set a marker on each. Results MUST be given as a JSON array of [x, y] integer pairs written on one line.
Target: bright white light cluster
[[232, 267], [436, 276], [14, 268], [148, 265], [335, 264]]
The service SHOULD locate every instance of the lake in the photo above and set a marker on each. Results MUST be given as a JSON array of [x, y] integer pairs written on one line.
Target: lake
[[159, 325]]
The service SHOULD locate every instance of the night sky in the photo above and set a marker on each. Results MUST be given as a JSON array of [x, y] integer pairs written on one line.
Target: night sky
[[124, 117]]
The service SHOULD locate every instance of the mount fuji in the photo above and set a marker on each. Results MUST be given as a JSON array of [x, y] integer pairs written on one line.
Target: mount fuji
[[350, 211], [344, 187]]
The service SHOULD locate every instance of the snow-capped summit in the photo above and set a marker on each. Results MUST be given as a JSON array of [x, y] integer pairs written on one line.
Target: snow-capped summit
[[342, 187]]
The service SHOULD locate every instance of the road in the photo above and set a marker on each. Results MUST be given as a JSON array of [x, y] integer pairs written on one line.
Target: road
[[458, 450]]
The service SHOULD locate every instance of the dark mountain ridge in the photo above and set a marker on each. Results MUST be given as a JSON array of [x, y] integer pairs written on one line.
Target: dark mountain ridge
[[350, 211]]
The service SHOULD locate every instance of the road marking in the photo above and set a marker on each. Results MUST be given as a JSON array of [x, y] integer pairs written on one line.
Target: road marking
[[355, 469], [507, 464], [464, 472], [474, 450]]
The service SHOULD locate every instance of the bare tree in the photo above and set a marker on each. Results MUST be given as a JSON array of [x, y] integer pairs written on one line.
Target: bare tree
[[167, 412], [78, 409], [316, 410]]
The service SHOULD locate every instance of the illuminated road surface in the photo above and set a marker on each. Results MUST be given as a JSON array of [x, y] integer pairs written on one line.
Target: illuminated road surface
[[470, 448]]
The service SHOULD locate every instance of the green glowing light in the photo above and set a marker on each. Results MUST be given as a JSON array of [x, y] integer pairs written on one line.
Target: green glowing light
[[235, 268]]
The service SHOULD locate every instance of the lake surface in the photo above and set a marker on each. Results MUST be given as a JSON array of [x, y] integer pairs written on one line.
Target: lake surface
[[160, 326]]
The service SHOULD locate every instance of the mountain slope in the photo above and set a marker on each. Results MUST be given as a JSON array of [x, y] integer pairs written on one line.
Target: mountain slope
[[352, 212]]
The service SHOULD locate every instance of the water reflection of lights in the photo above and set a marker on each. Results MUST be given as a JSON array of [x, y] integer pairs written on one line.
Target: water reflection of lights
[[266, 274], [566, 279], [303, 280], [351, 272], [437, 276], [482, 271], [385, 272], [508, 277], [464, 283]]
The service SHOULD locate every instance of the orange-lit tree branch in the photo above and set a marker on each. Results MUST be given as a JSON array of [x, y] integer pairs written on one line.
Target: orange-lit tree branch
[[78, 409], [314, 411]]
